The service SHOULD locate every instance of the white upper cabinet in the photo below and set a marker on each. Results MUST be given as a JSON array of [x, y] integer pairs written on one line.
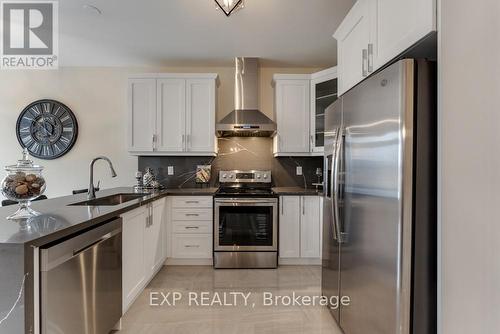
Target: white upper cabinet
[[292, 110], [200, 116], [142, 114], [376, 31], [399, 24], [324, 87], [172, 114], [353, 38]]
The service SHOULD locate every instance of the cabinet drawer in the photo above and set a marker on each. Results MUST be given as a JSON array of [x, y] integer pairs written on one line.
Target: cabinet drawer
[[192, 202], [192, 214], [188, 246], [192, 227]]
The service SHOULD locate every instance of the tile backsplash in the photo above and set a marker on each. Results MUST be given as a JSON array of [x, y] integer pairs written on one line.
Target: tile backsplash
[[242, 153]]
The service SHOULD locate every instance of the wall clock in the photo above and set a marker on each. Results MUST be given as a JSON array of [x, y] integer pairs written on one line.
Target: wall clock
[[47, 128]]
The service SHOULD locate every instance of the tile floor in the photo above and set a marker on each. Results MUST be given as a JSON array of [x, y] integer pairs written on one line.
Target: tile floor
[[255, 318]]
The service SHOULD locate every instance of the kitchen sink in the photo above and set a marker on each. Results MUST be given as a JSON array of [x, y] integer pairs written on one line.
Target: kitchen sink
[[110, 200]]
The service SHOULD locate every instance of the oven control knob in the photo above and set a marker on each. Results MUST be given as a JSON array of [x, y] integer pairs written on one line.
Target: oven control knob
[[258, 176], [265, 176], [231, 176], [224, 176]]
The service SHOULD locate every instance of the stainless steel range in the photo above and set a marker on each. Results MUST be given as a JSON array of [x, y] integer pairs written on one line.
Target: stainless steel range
[[246, 221]]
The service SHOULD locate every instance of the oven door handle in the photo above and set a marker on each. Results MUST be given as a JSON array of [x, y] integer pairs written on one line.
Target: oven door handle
[[246, 201]]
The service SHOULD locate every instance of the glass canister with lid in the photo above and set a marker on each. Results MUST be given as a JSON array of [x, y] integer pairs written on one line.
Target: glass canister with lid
[[23, 183]]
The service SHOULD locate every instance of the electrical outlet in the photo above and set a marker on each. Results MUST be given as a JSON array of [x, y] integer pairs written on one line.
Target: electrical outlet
[[299, 170], [170, 170]]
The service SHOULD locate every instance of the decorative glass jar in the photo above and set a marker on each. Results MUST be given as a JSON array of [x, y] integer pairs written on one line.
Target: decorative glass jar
[[23, 183]]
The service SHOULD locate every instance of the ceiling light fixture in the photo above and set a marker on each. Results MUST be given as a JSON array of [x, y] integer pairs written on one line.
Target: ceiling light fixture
[[229, 6]]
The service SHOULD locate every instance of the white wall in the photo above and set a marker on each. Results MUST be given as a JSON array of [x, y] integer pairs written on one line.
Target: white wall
[[470, 166], [98, 97]]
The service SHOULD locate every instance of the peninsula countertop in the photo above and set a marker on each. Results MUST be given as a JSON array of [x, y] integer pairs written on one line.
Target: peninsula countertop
[[59, 219]]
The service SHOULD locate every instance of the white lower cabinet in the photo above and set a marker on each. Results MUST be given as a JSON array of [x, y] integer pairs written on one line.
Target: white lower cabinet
[[310, 227], [143, 248], [133, 272], [192, 246], [154, 241], [300, 230], [190, 230], [289, 227]]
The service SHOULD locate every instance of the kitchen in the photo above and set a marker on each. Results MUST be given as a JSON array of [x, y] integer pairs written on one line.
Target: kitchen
[[262, 139]]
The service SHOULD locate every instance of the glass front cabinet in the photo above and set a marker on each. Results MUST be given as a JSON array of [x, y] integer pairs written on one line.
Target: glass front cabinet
[[323, 94]]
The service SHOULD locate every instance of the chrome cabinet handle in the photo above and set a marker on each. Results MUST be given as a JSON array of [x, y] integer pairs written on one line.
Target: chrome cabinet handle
[[365, 62], [303, 206], [192, 227], [192, 246], [153, 142], [187, 142], [192, 214], [183, 142], [192, 202], [370, 58], [282, 205]]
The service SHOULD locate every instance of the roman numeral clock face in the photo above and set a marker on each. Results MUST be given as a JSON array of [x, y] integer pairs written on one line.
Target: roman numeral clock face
[[47, 128]]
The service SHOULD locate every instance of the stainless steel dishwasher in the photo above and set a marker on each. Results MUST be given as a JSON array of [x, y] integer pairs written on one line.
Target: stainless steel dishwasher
[[81, 282]]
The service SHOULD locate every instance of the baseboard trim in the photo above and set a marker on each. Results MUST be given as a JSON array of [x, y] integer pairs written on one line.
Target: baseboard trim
[[209, 262], [299, 262], [189, 262]]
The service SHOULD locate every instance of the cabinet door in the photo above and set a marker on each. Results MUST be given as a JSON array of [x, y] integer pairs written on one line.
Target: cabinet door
[[310, 227], [134, 275], [398, 24], [353, 37], [154, 240], [142, 114], [292, 113], [171, 117], [289, 227], [323, 94], [200, 115]]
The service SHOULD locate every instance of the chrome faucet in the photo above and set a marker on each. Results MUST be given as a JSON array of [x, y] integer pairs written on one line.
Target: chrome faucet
[[91, 193]]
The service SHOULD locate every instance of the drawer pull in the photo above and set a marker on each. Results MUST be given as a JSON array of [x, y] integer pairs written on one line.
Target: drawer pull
[[192, 246], [192, 202], [192, 227], [192, 214]]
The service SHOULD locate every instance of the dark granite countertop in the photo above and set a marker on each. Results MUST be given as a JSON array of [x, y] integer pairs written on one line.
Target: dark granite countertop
[[298, 191], [59, 220]]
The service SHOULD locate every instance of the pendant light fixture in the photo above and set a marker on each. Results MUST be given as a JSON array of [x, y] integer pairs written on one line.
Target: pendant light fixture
[[229, 6]]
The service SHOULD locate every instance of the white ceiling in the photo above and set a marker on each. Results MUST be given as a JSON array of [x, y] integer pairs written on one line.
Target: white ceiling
[[192, 32]]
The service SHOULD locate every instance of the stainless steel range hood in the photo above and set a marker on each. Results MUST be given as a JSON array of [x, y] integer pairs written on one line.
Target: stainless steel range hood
[[246, 120]]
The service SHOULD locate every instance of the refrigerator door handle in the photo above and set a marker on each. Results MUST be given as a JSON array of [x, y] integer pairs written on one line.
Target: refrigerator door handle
[[335, 193], [332, 186]]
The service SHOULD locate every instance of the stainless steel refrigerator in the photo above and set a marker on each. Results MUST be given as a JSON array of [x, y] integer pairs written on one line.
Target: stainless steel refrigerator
[[379, 230]]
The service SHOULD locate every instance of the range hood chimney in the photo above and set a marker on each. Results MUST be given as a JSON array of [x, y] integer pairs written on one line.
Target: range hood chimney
[[246, 120]]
